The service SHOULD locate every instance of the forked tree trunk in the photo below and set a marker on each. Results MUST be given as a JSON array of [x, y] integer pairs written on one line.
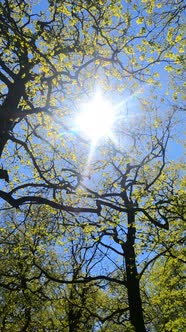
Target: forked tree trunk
[[134, 298]]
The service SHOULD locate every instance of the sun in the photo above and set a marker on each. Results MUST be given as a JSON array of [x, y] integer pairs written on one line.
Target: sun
[[96, 118]]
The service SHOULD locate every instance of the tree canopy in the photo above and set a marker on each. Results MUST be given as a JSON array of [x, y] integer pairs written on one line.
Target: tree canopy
[[92, 227]]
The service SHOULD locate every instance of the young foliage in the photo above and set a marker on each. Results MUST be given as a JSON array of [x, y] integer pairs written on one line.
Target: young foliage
[[87, 211]]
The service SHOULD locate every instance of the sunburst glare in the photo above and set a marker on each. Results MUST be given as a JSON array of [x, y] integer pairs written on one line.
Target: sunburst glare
[[96, 119]]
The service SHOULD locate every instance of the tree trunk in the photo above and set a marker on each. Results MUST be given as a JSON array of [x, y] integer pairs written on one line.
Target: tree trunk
[[74, 311], [9, 107], [134, 298]]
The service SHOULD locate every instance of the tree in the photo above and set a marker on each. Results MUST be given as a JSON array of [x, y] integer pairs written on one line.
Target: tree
[[27, 297], [30, 300], [165, 280], [167, 294], [52, 59]]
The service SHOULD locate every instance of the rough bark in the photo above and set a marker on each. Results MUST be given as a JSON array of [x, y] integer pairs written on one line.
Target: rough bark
[[134, 298]]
